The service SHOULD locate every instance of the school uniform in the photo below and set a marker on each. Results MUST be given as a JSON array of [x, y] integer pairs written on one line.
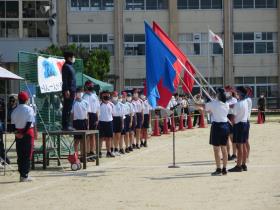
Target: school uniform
[[118, 116], [80, 116], [94, 107], [127, 114], [138, 105], [230, 116], [240, 111], [219, 128], [132, 110], [105, 125], [249, 102], [24, 147], [146, 111]]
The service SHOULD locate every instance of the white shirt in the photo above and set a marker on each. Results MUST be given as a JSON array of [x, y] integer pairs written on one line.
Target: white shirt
[[172, 103], [218, 109], [21, 115], [132, 108], [118, 110], [106, 112], [249, 101], [240, 111], [93, 102], [231, 101], [138, 105], [126, 108], [80, 110], [146, 107]]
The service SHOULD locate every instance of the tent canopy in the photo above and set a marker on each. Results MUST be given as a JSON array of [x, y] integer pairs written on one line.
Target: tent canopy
[[5, 74], [103, 85]]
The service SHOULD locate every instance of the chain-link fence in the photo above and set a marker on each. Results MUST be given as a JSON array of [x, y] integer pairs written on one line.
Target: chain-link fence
[[48, 105]]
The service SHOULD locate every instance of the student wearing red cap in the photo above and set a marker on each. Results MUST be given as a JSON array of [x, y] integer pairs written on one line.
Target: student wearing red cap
[[23, 118], [138, 105]]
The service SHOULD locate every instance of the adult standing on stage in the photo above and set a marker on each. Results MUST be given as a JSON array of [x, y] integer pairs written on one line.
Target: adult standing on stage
[[68, 89], [23, 118]]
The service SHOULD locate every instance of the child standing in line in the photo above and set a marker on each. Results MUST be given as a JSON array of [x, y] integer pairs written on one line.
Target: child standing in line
[[147, 114], [138, 105], [132, 123]]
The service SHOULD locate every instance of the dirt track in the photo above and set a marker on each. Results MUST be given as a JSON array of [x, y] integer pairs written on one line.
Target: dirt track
[[142, 179]]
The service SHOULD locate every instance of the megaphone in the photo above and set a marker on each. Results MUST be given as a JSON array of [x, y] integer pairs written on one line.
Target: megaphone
[[45, 9]]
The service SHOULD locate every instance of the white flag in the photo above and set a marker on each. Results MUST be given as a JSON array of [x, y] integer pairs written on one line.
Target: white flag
[[214, 38]]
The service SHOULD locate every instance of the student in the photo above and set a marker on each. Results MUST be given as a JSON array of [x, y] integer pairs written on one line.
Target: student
[[261, 106], [106, 123], [231, 99], [80, 118], [249, 101], [240, 111], [138, 105], [127, 123], [23, 119], [146, 122], [197, 112], [132, 124], [219, 130], [117, 122]]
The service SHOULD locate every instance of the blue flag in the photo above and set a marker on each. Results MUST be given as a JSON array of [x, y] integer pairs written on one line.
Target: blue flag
[[159, 65]]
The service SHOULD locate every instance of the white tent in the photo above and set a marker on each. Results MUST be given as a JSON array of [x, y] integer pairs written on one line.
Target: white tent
[[7, 75]]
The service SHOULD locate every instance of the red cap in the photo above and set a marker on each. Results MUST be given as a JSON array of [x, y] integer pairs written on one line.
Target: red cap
[[89, 84], [124, 93], [23, 96], [115, 93]]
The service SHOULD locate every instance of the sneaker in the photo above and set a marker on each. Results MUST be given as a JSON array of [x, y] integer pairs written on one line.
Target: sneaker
[[218, 172], [122, 151], [26, 179], [142, 144], [230, 158], [233, 157], [133, 146], [112, 149], [236, 169], [145, 144], [244, 167], [224, 171], [130, 149], [110, 155], [127, 150], [137, 146]]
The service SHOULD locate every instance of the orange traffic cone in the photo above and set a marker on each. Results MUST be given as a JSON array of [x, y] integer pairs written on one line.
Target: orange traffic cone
[[181, 124], [260, 119], [189, 119], [173, 125], [156, 127], [201, 120], [165, 126]]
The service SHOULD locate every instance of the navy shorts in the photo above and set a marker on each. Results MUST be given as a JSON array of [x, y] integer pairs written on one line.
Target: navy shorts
[[117, 124], [146, 123], [92, 121], [230, 128], [139, 120], [126, 124], [219, 133], [247, 131], [79, 125], [240, 133], [133, 126], [105, 129]]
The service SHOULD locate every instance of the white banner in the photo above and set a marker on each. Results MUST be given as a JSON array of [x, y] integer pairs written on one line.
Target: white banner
[[49, 74]]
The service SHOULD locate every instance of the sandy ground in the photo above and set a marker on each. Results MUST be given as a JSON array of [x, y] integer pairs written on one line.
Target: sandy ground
[[142, 179]]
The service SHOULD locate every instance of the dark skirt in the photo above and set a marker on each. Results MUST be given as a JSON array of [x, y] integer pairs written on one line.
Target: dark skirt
[[240, 133], [117, 124], [139, 120], [92, 121], [79, 125], [126, 128], [146, 123], [219, 133], [133, 126], [247, 131], [105, 129]]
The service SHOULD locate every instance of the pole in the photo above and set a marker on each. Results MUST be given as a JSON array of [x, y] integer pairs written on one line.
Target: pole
[[6, 118], [174, 155], [208, 58]]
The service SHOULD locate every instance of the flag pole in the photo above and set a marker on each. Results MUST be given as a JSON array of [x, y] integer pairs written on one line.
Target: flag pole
[[208, 57], [206, 93]]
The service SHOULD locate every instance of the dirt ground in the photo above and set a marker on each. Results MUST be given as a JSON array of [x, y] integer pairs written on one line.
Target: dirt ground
[[142, 179]]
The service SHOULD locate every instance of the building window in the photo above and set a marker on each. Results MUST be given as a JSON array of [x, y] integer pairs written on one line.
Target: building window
[[91, 5], [134, 82], [33, 29], [255, 43], [94, 41], [239, 4], [134, 44], [9, 9], [199, 4], [9, 29], [146, 4]]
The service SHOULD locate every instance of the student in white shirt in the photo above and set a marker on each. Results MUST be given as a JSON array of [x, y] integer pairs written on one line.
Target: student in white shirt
[[138, 105], [231, 99], [132, 124], [240, 111], [23, 117], [93, 112], [219, 130], [106, 123], [80, 117], [118, 117], [250, 104], [146, 123]]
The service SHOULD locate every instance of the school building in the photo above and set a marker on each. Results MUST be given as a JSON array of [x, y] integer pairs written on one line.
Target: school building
[[250, 30]]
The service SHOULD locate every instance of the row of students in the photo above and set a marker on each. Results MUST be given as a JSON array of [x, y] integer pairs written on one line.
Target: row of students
[[122, 120], [229, 118]]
